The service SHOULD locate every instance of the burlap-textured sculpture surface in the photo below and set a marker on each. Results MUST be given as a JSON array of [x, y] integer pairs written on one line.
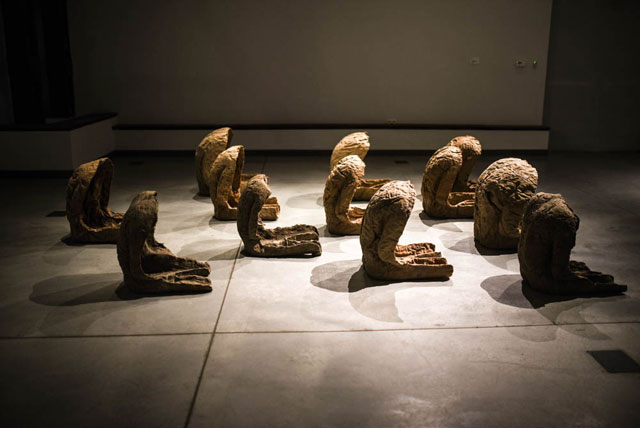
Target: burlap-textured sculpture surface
[[298, 240], [88, 190], [548, 234], [207, 152], [446, 191], [225, 186], [504, 189], [357, 144], [148, 266], [341, 185], [382, 225]]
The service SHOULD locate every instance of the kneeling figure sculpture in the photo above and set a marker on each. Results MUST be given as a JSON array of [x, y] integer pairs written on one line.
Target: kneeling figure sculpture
[[383, 224]]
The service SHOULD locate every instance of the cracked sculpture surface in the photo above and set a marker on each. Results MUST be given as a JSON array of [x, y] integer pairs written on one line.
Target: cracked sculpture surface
[[88, 189], [345, 177], [446, 189], [357, 144], [148, 266], [504, 189], [298, 240], [225, 186], [549, 229], [207, 152], [383, 224]]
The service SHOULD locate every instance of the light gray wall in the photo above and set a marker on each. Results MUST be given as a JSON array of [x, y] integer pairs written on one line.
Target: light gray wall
[[330, 61], [593, 83]]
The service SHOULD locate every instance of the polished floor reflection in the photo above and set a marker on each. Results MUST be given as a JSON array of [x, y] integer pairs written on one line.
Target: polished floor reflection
[[314, 341]]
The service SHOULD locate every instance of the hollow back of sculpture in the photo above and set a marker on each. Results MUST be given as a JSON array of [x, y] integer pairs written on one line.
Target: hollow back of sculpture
[[471, 150], [224, 183], [207, 152], [88, 190]]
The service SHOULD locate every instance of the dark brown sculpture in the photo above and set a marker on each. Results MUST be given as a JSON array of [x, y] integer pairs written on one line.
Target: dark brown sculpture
[[207, 152], [345, 177], [298, 240], [383, 224], [357, 144], [147, 265], [548, 234], [88, 189], [504, 189], [225, 186], [446, 190]]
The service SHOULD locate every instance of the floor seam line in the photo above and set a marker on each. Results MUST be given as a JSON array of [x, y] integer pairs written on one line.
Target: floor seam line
[[107, 336], [551, 324], [213, 334]]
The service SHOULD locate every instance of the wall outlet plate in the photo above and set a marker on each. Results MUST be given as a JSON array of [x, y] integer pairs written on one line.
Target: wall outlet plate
[[520, 63], [474, 60]]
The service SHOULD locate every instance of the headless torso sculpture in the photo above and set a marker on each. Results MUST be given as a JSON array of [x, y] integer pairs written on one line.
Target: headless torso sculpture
[[345, 178], [549, 229], [147, 265], [90, 218], [298, 240], [446, 189], [225, 186], [383, 224], [357, 144]]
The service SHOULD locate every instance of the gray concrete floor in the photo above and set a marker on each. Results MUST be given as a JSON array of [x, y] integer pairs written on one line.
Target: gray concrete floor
[[313, 342]]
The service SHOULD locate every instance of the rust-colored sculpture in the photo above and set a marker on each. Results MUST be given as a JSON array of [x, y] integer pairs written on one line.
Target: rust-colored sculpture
[[357, 144], [446, 190], [298, 240], [383, 224], [225, 186], [345, 177], [88, 189], [504, 189], [147, 265], [548, 234], [207, 152]]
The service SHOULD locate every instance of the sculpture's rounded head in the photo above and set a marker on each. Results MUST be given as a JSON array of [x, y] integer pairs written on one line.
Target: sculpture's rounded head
[[219, 138], [551, 206], [469, 146], [356, 143], [351, 164], [145, 195], [396, 193], [258, 186]]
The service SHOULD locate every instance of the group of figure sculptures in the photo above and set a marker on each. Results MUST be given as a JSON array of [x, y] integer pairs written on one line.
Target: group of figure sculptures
[[508, 215]]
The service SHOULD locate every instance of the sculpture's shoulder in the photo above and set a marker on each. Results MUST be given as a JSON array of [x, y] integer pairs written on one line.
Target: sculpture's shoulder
[[444, 158], [468, 145], [550, 209]]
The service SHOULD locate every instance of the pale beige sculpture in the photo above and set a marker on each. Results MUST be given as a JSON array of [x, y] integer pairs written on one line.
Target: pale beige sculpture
[[504, 189], [148, 266], [446, 190], [341, 185], [298, 240], [88, 190], [548, 234], [207, 152], [225, 186], [383, 224], [357, 144]]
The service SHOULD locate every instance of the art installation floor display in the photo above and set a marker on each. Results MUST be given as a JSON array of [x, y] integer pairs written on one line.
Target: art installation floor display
[[339, 190], [382, 225], [548, 234], [225, 186], [446, 190], [504, 189], [357, 144], [88, 190], [298, 240], [148, 266]]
